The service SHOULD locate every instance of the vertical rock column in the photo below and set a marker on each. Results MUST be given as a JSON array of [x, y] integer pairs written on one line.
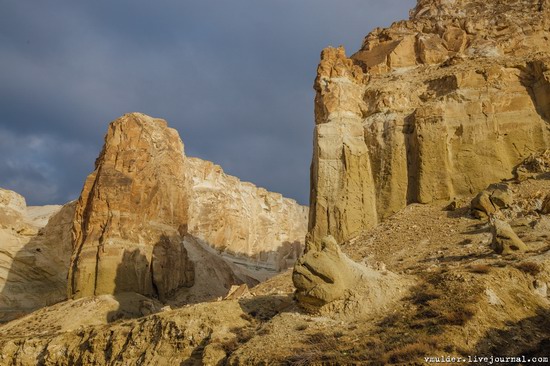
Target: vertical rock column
[[132, 214], [342, 198]]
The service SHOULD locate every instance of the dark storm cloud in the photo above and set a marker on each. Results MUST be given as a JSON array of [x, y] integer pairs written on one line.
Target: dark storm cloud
[[233, 77]]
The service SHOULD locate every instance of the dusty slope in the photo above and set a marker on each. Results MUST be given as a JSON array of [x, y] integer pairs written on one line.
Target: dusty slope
[[465, 300]]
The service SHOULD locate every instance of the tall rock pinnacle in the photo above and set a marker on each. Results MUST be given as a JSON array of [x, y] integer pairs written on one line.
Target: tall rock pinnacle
[[132, 214]]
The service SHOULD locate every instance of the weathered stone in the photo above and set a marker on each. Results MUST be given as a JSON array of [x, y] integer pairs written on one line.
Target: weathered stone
[[505, 240], [132, 214], [429, 109], [35, 247], [490, 200], [481, 206], [324, 275]]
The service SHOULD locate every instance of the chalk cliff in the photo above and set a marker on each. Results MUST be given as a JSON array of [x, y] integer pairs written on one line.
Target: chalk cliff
[[35, 249], [145, 196], [431, 108], [132, 214]]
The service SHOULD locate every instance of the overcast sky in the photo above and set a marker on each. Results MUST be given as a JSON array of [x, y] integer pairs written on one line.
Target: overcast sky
[[233, 77]]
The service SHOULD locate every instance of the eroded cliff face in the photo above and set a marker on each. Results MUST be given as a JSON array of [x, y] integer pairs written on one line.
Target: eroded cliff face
[[249, 225], [145, 197], [35, 247], [432, 108], [132, 214]]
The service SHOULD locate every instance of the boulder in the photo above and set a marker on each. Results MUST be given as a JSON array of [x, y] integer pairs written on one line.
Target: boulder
[[505, 241], [325, 276], [487, 202]]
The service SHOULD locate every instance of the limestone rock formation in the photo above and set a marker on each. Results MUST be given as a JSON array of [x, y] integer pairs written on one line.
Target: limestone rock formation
[[249, 225], [505, 240], [432, 108], [35, 247], [324, 274], [145, 196], [132, 214]]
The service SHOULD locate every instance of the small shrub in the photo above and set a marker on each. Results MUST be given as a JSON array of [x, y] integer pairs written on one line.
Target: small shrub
[[427, 314], [531, 268], [407, 353], [424, 295], [458, 316], [466, 242]]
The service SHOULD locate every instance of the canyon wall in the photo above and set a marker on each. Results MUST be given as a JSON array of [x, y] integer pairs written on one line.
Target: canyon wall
[[248, 224], [35, 249], [432, 108], [145, 197]]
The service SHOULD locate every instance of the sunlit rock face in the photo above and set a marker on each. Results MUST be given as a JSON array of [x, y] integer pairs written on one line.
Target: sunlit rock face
[[145, 196], [132, 214], [435, 107]]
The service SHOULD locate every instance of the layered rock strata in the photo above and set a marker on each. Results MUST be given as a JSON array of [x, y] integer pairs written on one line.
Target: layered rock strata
[[35, 247], [432, 108], [132, 214], [249, 225], [145, 196]]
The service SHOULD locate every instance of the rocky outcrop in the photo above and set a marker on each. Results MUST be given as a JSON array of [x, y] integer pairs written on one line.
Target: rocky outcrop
[[132, 214], [247, 224], [145, 196], [35, 247], [324, 275], [184, 336], [491, 200], [432, 108]]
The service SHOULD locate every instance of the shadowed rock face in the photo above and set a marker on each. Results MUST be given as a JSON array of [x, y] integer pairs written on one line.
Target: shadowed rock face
[[133, 213], [432, 108], [35, 249]]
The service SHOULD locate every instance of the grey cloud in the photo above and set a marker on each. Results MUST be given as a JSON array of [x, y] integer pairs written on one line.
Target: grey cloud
[[234, 78]]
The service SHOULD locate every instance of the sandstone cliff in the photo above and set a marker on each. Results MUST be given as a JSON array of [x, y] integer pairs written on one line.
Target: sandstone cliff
[[249, 225], [35, 247], [132, 214], [145, 196], [432, 108]]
